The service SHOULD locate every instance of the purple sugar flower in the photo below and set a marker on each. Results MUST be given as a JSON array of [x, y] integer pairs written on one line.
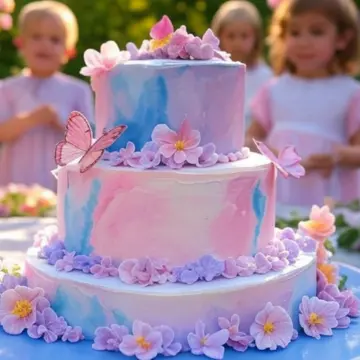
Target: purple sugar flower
[[306, 243], [318, 317], [84, 263], [104, 269], [169, 347], [287, 233], [263, 265], [48, 325], [247, 265], [199, 50], [73, 334], [11, 281], [177, 44], [66, 263], [18, 308], [52, 253], [272, 327], [209, 157], [143, 53], [352, 303], [239, 341], [293, 249], [144, 271], [276, 263], [145, 343], [211, 345], [149, 157], [231, 268], [210, 268], [187, 274], [109, 338], [123, 155]]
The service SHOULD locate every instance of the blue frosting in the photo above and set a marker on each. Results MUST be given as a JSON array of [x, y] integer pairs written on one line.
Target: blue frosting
[[149, 108], [85, 311], [79, 222], [120, 318], [259, 206]]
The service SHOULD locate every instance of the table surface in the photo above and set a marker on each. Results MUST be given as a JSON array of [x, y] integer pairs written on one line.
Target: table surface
[[344, 345]]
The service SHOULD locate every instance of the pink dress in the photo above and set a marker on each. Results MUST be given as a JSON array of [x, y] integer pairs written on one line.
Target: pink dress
[[312, 115], [30, 158]]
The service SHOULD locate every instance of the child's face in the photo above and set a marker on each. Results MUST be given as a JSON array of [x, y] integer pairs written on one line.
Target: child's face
[[43, 46], [238, 38], [311, 42]]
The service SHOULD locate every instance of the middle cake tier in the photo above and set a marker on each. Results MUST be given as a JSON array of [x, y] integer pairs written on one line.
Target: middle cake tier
[[177, 215]]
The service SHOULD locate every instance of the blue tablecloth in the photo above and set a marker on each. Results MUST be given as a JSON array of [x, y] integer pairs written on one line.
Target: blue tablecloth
[[344, 345]]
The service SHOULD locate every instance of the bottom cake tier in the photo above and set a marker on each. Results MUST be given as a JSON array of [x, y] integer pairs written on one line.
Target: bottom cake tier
[[91, 303]]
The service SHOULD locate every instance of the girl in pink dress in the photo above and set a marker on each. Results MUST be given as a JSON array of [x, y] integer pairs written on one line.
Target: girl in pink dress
[[238, 25], [34, 105], [313, 103]]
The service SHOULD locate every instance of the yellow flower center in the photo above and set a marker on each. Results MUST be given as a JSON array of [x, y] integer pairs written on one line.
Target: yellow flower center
[[317, 226], [22, 308], [141, 341], [329, 272], [203, 341], [315, 319], [269, 328], [159, 43], [179, 145]]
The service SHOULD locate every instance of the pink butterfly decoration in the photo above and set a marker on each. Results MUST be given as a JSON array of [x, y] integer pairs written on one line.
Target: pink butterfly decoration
[[79, 142], [288, 162]]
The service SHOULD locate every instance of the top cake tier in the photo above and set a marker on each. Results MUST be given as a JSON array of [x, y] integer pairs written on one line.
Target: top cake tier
[[144, 93]]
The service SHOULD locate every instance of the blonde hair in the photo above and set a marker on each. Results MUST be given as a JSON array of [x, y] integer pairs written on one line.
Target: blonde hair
[[239, 10], [56, 9], [342, 13]]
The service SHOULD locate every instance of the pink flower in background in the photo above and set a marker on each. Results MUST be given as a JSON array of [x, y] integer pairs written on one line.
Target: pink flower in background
[[239, 341], [6, 22], [181, 147], [18, 308], [317, 317], [321, 223], [47, 236], [272, 327], [273, 4], [211, 345], [161, 33], [109, 56], [7, 6], [145, 343]]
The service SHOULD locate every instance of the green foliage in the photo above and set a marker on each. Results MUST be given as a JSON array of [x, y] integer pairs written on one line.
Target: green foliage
[[122, 21]]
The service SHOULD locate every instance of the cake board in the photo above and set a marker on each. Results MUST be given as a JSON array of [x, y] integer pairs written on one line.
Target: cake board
[[344, 345]]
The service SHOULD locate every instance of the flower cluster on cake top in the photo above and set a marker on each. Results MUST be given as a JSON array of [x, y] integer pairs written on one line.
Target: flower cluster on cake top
[[172, 149]]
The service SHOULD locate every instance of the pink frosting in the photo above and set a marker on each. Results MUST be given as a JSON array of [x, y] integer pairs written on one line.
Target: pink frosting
[[179, 216]]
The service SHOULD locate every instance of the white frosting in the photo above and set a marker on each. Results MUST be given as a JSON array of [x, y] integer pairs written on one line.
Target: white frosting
[[174, 63]]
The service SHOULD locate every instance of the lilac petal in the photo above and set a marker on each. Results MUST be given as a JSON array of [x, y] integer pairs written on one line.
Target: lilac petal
[[13, 325], [162, 135], [211, 39], [223, 323], [50, 337], [263, 266], [192, 155], [128, 346], [179, 157], [218, 338], [194, 343], [172, 349], [200, 329], [214, 352], [167, 150]]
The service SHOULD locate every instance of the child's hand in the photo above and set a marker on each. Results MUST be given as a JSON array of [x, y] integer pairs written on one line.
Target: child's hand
[[44, 114], [321, 162]]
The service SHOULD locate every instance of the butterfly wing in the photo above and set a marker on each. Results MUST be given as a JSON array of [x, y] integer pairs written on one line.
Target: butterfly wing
[[66, 152], [95, 152], [289, 160], [78, 138], [78, 131], [270, 155]]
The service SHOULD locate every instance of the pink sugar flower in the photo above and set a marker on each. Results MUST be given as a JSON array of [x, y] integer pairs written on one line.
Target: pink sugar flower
[[321, 223], [352, 303], [161, 33], [123, 156], [98, 63], [181, 147], [176, 48], [145, 343], [317, 317], [231, 269], [211, 345], [104, 269], [239, 341], [6, 22], [272, 327], [246, 265], [18, 308]]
